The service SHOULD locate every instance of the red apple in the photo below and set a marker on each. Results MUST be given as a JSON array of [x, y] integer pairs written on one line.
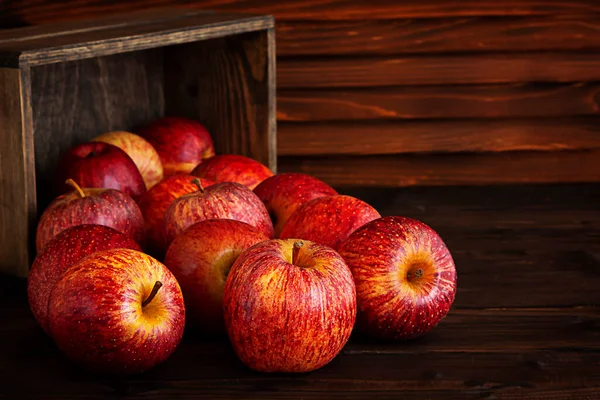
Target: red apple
[[64, 250], [107, 207], [117, 311], [141, 152], [100, 165], [289, 306], [200, 259], [328, 220], [233, 168], [284, 193], [405, 277], [225, 200], [155, 202], [181, 143]]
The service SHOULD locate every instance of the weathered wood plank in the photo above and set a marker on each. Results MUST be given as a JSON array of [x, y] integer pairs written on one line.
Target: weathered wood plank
[[443, 35], [437, 70], [427, 102], [65, 44], [537, 374], [451, 169], [325, 10], [364, 138], [17, 187]]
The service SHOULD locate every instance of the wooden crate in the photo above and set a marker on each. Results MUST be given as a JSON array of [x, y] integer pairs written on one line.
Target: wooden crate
[[63, 84]]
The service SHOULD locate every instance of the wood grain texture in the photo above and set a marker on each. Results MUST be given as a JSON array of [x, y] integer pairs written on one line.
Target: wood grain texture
[[17, 187], [372, 138], [437, 70], [65, 44], [76, 101], [39, 11], [451, 169], [443, 35], [228, 85], [508, 345], [429, 102]]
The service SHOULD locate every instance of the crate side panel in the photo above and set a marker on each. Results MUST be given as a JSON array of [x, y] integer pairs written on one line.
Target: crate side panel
[[17, 192]]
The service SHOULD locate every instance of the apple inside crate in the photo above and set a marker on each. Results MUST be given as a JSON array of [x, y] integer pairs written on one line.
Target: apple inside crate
[[62, 85]]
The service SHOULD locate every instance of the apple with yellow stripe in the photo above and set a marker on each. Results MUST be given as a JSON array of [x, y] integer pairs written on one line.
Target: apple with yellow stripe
[[289, 305], [404, 274], [143, 154], [117, 311]]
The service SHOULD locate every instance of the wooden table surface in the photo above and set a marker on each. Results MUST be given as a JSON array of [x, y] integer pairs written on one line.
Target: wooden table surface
[[525, 323]]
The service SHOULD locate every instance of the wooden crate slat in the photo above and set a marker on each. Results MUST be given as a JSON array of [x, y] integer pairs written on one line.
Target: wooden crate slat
[[17, 184], [97, 41]]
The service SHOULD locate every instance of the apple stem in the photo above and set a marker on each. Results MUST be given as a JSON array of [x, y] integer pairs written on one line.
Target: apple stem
[[197, 182], [419, 273], [295, 251], [74, 185], [155, 289]]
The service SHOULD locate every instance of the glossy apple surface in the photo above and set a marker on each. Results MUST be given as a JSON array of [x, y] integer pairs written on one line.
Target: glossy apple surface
[[200, 258], [100, 165], [140, 151], [233, 168], [284, 193], [107, 207], [328, 220], [180, 142], [155, 202], [405, 277], [117, 311], [225, 200], [287, 312], [64, 250]]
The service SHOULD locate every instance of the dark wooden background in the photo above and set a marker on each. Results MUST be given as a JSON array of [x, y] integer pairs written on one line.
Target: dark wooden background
[[419, 92]]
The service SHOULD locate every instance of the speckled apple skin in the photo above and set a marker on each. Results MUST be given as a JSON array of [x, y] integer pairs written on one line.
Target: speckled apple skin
[[155, 202], [143, 154], [181, 143], [109, 168], [107, 207], [379, 255], [96, 316], [284, 193], [328, 220], [233, 168], [225, 200], [64, 250], [200, 258], [282, 317]]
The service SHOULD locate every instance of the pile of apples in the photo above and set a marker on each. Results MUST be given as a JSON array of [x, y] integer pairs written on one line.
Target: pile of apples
[[151, 232]]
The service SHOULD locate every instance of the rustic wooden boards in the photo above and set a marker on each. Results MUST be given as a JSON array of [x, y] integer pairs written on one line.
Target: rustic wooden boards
[[416, 62], [17, 187], [525, 323], [323, 10]]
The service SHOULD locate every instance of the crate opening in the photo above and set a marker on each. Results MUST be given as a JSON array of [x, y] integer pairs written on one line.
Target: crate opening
[[222, 82]]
